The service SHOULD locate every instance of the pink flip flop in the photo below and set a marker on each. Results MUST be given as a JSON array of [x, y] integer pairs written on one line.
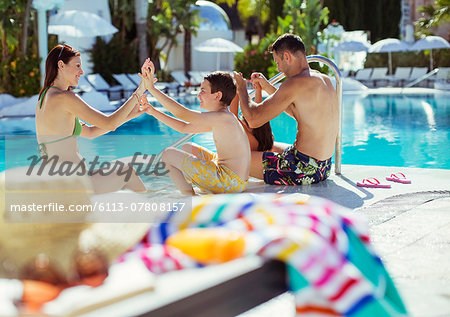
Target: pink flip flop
[[399, 178], [372, 182]]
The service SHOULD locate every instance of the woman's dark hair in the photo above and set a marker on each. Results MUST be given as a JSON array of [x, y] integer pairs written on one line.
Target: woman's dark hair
[[59, 52], [263, 135]]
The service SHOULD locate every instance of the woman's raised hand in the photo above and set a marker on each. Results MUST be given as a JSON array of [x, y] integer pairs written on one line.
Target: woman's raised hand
[[148, 74], [258, 78], [256, 86]]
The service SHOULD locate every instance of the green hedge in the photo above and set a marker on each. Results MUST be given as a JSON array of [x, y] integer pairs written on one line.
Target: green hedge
[[20, 76], [441, 58]]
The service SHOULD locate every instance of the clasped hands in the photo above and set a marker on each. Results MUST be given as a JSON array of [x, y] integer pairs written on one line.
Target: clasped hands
[[257, 80], [148, 80]]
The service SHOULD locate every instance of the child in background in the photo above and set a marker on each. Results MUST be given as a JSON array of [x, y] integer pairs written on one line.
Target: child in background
[[226, 171], [261, 138]]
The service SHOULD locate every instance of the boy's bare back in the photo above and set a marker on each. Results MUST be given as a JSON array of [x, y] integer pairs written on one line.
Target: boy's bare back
[[232, 145]]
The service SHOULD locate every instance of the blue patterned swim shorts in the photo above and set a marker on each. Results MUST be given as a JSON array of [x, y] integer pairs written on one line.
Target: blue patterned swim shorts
[[294, 168]]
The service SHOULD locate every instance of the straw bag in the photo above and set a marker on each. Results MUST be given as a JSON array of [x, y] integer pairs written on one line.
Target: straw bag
[[21, 243]]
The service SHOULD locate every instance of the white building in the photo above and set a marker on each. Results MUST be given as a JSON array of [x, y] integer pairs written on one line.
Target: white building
[[99, 7], [215, 23]]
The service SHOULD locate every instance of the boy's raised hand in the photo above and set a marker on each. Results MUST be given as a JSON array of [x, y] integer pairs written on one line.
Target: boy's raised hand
[[136, 112], [146, 106]]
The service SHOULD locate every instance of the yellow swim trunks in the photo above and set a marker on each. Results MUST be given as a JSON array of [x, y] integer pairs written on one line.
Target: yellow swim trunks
[[210, 176]]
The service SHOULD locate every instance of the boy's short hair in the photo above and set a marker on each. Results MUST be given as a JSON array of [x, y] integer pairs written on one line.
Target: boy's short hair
[[221, 81], [288, 42]]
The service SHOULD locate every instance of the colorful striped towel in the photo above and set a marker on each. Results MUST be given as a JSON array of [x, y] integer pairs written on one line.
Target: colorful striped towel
[[332, 267]]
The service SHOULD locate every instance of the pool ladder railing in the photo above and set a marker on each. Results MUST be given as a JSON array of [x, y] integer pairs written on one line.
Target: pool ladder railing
[[277, 78]]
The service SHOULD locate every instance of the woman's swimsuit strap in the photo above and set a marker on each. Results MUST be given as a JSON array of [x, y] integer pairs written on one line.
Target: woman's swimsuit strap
[[76, 130]]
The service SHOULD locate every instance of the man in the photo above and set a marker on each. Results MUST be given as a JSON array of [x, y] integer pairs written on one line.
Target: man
[[310, 98]]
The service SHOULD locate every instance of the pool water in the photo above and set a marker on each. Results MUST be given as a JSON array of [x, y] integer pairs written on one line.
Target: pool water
[[381, 130]]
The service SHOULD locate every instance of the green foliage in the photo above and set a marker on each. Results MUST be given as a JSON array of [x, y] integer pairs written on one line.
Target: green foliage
[[248, 8], [266, 11], [256, 58], [164, 76], [301, 17], [305, 19], [10, 24], [20, 76], [441, 58], [433, 16], [115, 57], [228, 2]]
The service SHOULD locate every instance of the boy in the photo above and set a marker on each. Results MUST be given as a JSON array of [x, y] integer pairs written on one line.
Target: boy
[[226, 171]]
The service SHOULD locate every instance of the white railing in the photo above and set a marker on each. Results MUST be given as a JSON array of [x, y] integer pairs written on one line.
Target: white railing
[[337, 75], [278, 77]]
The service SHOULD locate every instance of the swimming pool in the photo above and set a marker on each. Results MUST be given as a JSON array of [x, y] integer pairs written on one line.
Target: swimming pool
[[404, 130]]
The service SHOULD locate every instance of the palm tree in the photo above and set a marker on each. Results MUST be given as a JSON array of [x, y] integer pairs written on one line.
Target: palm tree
[[26, 19], [122, 16], [189, 20], [10, 27], [141, 10]]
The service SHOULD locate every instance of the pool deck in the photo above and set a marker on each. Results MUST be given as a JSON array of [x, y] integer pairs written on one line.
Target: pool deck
[[409, 227]]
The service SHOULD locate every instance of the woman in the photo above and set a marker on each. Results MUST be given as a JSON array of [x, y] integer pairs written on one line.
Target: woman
[[58, 113]]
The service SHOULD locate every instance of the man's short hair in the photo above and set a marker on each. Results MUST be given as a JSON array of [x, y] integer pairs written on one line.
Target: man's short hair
[[288, 42], [221, 81]]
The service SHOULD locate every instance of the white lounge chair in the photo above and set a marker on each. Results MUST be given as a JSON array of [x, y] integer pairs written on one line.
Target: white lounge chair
[[127, 84], [345, 73], [443, 74], [196, 77], [363, 75], [182, 80], [441, 79], [166, 87], [401, 75], [179, 77], [100, 84], [98, 100], [378, 77], [416, 73], [135, 78], [83, 86]]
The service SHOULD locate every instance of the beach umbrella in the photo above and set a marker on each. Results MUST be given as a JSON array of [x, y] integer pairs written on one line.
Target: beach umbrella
[[430, 43], [218, 45], [77, 23], [388, 46], [352, 46]]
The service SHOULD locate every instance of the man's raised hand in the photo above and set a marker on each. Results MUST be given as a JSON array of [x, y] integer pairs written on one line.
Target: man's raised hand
[[240, 81]]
